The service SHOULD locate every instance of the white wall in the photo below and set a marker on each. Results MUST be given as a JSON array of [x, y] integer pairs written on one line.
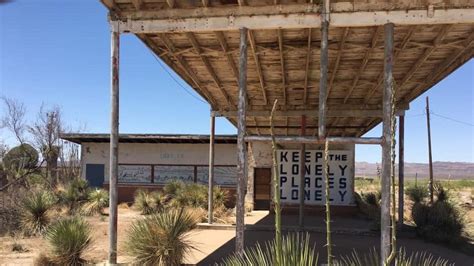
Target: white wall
[[159, 153]]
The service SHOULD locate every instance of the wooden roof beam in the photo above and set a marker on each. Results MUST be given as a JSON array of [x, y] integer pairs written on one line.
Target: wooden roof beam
[[308, 113], [282, 62], [286, 17], [171, 3], [183, 64], [440, 68], [110, 4], [138, 4], [345, 33], [225, 47], [258, 66], [209, 67], [426, 54], [205, 3], [404, 44], [307, 67], [242, 2], [365, 61]]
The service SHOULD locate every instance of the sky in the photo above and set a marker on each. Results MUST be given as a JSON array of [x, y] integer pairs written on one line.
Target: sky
[[57, 53]]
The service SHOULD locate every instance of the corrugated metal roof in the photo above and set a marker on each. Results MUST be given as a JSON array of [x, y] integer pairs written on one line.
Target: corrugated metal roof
[[148, 138]]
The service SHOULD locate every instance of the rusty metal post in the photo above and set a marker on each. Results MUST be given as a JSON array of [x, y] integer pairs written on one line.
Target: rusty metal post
[[323, 81], [241, 146], [401, 168], [114, 142], [302, 173], [386, 146], [430, 157], [211, 170]]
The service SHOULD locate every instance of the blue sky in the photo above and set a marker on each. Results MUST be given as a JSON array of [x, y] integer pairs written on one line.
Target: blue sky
[[57, 53]]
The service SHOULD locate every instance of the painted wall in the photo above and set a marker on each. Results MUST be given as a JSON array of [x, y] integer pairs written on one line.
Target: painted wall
[[160, 153]]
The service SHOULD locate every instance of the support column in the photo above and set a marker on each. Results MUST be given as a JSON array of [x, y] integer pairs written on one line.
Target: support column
[[323, 81], [241, 146], [114, 142], [211, 169], [401, 168], [302, 173], [386, 145]]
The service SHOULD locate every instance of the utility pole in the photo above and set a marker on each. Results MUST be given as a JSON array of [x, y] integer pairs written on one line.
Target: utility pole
[[429, 147]]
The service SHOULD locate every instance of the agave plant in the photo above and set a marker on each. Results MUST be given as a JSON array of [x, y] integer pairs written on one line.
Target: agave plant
[[161, 239], [402, 259], [68, 239], [75, 193], [97, 200], [35, 211], [295, 251]]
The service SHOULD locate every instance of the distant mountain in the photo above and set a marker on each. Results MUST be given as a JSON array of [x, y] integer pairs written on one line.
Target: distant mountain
[[444, 170]]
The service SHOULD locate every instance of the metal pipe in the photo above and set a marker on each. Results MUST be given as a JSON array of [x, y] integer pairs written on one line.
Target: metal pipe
[[316, 140], [211, 171], [401, 168], [241, 145], [386, 146], [114, 142]]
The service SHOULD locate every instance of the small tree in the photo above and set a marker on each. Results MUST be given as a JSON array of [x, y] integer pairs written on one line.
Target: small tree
[[23, 156]]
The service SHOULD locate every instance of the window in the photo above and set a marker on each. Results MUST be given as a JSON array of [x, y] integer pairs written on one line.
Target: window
[[164, 174], [223, 175], [134, 174]]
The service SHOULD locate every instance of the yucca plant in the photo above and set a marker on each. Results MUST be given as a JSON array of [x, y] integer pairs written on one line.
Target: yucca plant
[[74, 194], [144, 202], [402, 259], [416, 193], [35, 211], [159, 200], [68, 239], [220, 196], [161, 239], [97, 200], [295, 251], [173, 187]]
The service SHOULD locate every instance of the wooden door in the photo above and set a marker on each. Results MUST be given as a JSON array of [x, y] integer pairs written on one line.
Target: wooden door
[[262, 188]]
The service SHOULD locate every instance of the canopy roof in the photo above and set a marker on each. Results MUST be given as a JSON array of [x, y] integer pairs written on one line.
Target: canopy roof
[[200, 41]]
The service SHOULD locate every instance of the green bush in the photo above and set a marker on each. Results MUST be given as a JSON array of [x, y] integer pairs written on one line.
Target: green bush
[[161, 239], [220, 196], [401, 259], [191, 195], [35, 211], [68, 239], [441, 193], [372, 198], [440, 222], [416, 193], [296, 251], [97, 200], [23, 156]]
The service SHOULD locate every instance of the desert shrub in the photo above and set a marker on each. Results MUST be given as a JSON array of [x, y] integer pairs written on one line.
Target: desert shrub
[[441, 193], [35, 211], [440, 222], [369, 206], [161, 239], [68, 239], [74, 194], [97, 200], [191, 195], [220, 196], [43, 260], [296, 250], [402, 258], [144, 202], [23, 156], [159, 200], [173, 187], [416, 193], [372, 198]]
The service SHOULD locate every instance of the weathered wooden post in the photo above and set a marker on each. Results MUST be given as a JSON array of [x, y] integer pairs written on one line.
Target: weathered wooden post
[[114, 142], [430, 157], [302, 173], [401, 168], [323, 81], [241, 146], [387, 143], [211, 170]]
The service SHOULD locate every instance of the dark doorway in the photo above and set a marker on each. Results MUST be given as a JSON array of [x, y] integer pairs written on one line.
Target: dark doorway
[[95, 174], [262, 188]]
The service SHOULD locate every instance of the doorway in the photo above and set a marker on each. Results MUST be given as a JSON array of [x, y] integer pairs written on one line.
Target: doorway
[[262, 188]]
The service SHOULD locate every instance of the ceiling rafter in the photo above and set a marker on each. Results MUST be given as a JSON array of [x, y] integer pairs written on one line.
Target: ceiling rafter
[[242, 2], [183, 64], [345, 33], [365, 61], [398, 51], [110, 4], [205, 3], [282, 63], [254, 52], [230, 61], [138, 4], [307, 67], [171, 3], [207, 64], [441, 67]]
